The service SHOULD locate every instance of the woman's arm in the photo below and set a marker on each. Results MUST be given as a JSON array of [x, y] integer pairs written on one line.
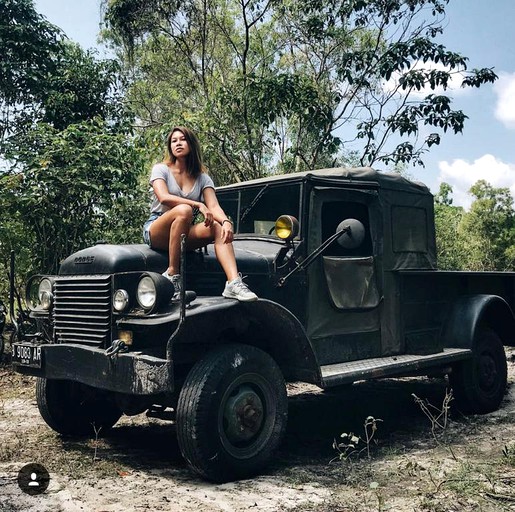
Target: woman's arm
[[218, 214], [171, 200]]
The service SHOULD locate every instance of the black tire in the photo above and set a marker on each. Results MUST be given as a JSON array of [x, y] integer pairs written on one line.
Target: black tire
[[479, 383], [73, 409], [232, 413]]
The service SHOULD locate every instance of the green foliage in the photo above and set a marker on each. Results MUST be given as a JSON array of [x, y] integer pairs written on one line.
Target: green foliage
[[73, 187], [28, 46], [71, 170], [81, 88], [448, 240], [489, 227], [45, 77], [279, 86], [481, 238]]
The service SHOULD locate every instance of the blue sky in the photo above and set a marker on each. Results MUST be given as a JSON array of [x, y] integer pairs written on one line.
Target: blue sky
[[479, 29]]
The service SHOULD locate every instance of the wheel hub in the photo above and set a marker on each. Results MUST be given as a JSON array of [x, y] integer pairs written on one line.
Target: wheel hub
[[243, 415], [487, 371]]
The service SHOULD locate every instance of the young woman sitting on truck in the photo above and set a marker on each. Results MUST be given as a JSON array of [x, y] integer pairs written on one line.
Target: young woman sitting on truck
[[184, 201]]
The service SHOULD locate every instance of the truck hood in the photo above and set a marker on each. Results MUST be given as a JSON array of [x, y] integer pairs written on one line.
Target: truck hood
[[254, 256]]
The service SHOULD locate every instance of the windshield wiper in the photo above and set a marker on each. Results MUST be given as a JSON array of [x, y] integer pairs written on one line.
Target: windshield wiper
[[251, 205]]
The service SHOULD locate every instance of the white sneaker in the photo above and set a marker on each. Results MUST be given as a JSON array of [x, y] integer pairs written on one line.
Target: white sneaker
[[177, 284], [237, 289]]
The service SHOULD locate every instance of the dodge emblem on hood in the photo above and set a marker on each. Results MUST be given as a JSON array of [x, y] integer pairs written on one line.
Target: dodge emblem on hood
[[83, 260]]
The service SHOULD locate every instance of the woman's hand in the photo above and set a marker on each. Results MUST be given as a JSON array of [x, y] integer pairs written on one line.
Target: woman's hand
[[227, 233], [208, 215]]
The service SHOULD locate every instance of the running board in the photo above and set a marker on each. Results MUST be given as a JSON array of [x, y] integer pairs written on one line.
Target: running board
[[391, 366]]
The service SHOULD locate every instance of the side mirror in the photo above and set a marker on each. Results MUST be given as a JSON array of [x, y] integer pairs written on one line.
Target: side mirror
[[350, 234], [353, 233]]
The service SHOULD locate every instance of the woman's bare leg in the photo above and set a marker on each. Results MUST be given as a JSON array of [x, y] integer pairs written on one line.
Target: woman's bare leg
[[201, 235], [166, 231]]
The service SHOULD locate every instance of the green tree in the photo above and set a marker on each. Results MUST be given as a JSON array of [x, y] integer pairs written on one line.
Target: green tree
[[449, 242], [488, 228], [46, 77], [81, 185], [275, 86], [28, 48], [81, 88], [71, 168]]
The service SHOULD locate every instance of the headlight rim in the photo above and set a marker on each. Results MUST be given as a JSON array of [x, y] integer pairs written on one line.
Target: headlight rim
[[149, 307], [126, 300], [33, 293], [291, 224]]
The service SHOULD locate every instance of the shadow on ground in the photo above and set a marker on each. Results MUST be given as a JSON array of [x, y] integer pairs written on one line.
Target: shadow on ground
[[315, 419]]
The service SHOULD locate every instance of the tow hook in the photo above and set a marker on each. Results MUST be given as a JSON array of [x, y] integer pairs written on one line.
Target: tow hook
[[117, 346]]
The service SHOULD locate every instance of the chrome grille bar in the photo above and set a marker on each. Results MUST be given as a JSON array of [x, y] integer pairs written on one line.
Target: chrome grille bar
[[82, 309]]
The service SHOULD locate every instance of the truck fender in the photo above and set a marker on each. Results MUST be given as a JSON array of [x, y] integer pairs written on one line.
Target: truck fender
[[264, 324], [470, 312]]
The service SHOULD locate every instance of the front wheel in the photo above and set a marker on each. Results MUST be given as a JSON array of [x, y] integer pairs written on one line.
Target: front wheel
[[479, 383], [232, 413], [71, 408]]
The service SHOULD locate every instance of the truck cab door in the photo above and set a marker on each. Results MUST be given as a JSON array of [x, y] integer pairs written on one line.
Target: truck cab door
[[345, 285]]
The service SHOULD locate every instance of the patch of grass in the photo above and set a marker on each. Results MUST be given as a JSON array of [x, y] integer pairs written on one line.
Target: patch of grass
[[469, 479], [508, 453], [327, 506], [10, 452], [15, 385]]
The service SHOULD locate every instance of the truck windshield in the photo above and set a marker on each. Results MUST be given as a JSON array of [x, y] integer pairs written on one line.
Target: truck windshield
[[255, 209]]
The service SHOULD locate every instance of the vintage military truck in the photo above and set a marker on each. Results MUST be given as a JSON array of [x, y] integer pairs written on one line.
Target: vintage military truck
[[344, 263]]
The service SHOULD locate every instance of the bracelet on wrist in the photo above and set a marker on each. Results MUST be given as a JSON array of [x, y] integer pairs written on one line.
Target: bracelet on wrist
[[227, 220]]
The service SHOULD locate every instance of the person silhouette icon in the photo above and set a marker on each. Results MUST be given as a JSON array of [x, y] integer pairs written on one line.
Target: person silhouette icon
[[33, 479], [33, 482]]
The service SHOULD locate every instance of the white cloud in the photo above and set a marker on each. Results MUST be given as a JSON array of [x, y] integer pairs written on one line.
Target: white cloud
[[453, 86], [461, 175], [505, 107]]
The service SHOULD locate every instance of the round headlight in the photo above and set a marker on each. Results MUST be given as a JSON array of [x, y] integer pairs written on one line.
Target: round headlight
[[120, 300], [45, 285], [45, 296], [146, 293], [286, 227], [46, 300]]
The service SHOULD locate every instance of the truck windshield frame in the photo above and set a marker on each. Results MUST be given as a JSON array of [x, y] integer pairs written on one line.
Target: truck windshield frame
[[254, 210]]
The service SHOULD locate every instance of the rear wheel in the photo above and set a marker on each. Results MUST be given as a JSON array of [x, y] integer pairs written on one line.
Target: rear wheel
[[71, 408], [479, 383], [232, 412]]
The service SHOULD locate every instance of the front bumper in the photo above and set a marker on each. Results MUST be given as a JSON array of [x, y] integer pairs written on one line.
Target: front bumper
[[131, 373]]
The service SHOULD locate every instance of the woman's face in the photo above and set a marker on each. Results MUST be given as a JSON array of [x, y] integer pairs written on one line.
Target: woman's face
[[179, 145]]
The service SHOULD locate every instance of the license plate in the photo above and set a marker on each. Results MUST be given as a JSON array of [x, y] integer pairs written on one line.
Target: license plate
[[25, 354]]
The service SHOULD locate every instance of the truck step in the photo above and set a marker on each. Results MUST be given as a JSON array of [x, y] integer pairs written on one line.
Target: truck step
[[391, 366]]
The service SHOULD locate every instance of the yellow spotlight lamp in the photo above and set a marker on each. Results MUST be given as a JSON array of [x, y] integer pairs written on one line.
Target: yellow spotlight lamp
[[287, 227]]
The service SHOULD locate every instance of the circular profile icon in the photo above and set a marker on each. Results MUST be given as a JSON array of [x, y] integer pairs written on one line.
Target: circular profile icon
[[33, 479]]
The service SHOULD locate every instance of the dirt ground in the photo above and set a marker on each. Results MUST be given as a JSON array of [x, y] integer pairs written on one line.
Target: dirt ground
[[468, 466]]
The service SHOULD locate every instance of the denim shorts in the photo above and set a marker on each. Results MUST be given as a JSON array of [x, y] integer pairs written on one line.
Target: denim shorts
[[146, 227]]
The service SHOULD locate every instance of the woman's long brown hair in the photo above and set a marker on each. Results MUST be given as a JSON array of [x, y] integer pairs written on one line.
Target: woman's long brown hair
[[194, 158]]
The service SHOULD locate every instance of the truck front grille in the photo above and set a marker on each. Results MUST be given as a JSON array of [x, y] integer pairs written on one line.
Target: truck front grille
[[82, 309]]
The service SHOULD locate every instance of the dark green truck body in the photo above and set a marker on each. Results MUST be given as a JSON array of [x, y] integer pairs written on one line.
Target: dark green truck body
[[377, 310]]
